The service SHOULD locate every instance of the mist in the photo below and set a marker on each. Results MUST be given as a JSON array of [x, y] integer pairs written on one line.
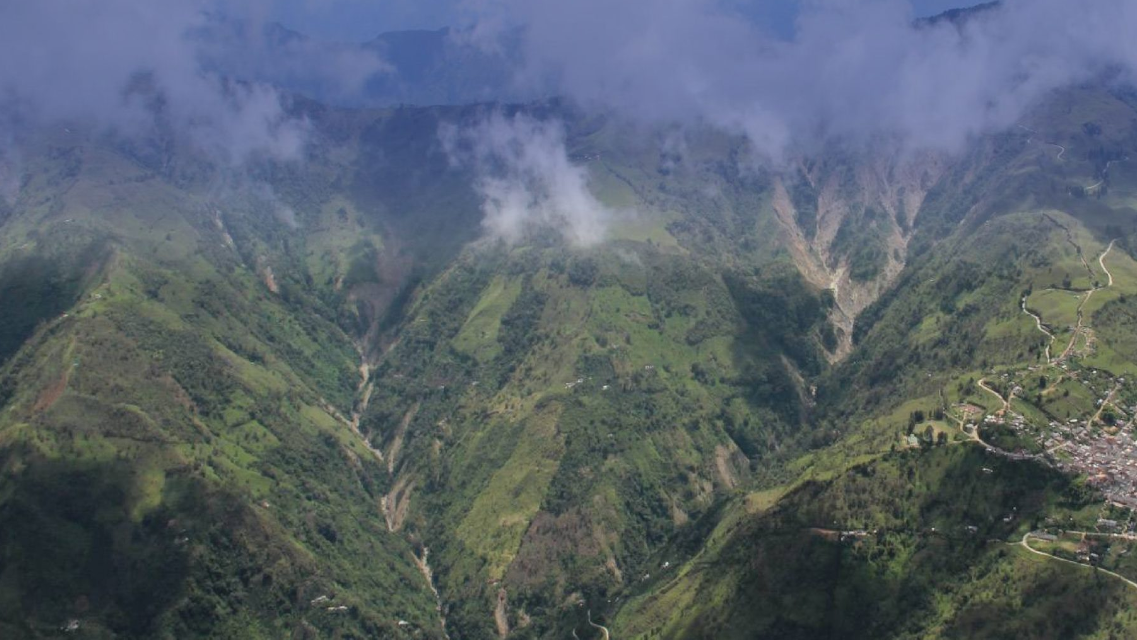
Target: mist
[[220, 78], [132, 67], [525, 178], [853, 71]]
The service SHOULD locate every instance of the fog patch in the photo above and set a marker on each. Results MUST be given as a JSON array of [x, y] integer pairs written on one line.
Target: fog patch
[[265, 196], [855, 70], [11, 171], [629, 257], [269, 53], [135, 68], [525, 178]]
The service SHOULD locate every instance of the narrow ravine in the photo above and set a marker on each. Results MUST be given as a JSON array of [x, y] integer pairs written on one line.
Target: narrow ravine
[[362, 399], [423, 565], [1073, 243], [364, 391]]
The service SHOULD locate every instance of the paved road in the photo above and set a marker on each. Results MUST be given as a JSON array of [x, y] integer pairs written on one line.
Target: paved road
[[1098, 534], [1079, 564], [605, 629]]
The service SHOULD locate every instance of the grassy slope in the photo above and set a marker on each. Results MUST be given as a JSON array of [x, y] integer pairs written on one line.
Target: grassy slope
[[993, 231], [175, 461], [919, 572], [533, 485], [620, 392]]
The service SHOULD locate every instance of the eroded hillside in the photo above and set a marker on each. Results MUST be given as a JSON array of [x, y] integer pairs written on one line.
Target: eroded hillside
[[323, 399]]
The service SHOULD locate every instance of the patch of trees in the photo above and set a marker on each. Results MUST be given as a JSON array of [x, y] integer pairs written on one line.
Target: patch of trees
[[36, 289], [804, 197], [518, 332], [861, 240], [782, 309]]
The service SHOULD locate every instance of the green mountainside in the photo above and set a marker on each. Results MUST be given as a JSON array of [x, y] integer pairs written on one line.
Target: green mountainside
[[313, 401]]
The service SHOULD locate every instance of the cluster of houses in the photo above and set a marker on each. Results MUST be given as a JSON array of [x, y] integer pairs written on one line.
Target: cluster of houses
[[1108, 462], [1106, 456]]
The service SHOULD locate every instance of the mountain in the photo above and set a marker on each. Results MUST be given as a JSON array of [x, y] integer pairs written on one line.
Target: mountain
[[417, 67], [444, 67], [316, 399], [960, 15], [448, 66], [879, 537]]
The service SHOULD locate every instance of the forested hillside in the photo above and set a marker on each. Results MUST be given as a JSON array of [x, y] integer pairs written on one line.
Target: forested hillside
[[315, 398]]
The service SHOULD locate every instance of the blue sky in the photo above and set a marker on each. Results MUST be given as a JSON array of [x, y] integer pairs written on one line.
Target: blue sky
[[360, 20]]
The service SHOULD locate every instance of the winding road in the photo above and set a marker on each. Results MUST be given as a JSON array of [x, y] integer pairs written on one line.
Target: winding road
[[605, 629], [1101, 262], [1079, 564], [1006, 403], [1080, 327], [973, 436], [1038, 323], [1105, 173]]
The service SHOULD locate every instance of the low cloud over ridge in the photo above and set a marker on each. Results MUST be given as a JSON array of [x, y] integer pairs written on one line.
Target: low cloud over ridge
[[525, 178], [132, 66], [854, 70]]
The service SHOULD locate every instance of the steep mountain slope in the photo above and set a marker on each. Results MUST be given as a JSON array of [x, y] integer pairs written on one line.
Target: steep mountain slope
[[324, 405], [179, 365], [185, 328], [909, 546], [969, 329]]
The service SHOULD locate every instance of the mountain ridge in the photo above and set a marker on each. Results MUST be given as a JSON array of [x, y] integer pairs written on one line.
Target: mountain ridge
[[455, 435]]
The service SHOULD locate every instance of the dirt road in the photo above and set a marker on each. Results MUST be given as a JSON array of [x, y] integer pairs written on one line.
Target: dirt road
[[1006, 403], [1101, 262], [1038, 323]]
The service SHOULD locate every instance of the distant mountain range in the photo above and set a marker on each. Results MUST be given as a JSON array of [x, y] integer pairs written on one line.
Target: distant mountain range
[[420, 67], [413, 67]]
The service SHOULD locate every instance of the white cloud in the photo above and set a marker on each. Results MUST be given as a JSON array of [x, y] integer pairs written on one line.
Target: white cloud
[[526, 179], [856, 68], [127, 65]]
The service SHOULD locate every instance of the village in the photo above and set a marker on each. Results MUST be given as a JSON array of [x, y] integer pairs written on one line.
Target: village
[[1096, 442]]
